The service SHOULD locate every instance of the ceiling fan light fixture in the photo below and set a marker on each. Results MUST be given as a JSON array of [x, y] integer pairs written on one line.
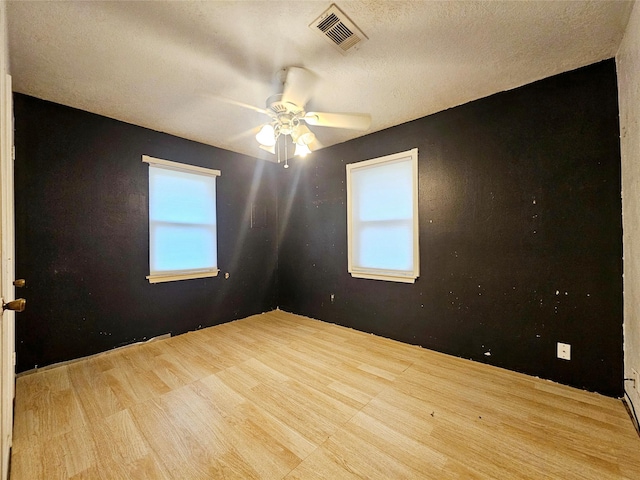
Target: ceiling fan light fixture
[[302, 150], [289, 122], [266, 136], [303, 136]]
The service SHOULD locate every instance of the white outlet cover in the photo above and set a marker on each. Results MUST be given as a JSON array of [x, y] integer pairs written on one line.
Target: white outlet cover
[[564, 351]]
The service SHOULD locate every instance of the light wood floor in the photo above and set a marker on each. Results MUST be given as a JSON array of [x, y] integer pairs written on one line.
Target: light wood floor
[[281, 396]]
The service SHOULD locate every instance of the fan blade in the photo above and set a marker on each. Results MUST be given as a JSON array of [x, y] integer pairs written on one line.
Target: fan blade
[[352, 121], [245, 135], [298, 86], [239, 104], [271, 150], [316, 145]]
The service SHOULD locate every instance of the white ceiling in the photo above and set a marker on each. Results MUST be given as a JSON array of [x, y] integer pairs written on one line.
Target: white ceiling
[[165, 65]]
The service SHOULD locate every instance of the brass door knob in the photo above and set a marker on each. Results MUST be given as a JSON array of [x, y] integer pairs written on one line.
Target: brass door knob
[[16, 305], [20, 282]]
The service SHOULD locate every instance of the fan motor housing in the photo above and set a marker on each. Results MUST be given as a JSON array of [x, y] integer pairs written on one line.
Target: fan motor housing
[[277, 106]]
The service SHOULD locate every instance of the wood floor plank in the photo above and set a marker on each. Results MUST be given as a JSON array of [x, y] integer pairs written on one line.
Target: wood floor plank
[[365, 459], [180, 452], [96, 397], [79, 451], [52, 412], [410, 452], [321, 380], [310, 418], [291, 439], [171, 371], [278, 396], [38, 462], [321, 465]]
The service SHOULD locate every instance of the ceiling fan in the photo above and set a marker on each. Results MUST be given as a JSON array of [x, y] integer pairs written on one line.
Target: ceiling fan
[[288, 117]]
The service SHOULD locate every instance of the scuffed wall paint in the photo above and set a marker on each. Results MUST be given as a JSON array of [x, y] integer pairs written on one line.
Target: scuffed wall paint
[[628, 66]]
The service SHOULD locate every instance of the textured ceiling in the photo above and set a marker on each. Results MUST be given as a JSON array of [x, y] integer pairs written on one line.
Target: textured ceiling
[[165, 65]]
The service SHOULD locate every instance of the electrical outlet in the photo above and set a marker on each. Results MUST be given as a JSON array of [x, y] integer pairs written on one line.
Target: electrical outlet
[[564, 351], [636, 379]]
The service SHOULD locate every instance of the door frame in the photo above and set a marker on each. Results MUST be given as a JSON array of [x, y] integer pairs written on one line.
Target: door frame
[[7, 273], [7, 252]]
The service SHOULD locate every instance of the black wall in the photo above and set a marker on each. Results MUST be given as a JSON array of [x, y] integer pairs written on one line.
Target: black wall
[[520, 233], [82, 236]]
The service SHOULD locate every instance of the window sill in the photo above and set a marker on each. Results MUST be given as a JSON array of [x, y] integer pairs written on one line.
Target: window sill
[[173, 276], [387, 278]]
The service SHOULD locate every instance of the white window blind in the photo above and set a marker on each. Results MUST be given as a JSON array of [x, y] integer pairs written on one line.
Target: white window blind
[[182, 221], [382, 217]]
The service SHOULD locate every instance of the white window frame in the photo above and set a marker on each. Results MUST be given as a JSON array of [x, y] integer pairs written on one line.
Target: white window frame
[[382, 274], [173, 275]]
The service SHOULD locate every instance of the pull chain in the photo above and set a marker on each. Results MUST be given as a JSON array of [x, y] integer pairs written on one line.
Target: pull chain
[[286, 155]]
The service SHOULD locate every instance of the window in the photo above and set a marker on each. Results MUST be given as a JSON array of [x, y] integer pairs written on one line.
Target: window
[[182, 221], [382, 218]]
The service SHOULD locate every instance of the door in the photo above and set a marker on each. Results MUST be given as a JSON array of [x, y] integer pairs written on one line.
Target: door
[[7, 342]]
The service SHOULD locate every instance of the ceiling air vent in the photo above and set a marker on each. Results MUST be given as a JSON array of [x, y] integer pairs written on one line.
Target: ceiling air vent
[[336, 28]]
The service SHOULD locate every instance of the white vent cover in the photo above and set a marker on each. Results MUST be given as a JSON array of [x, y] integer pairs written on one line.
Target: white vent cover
[[336, 28]]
